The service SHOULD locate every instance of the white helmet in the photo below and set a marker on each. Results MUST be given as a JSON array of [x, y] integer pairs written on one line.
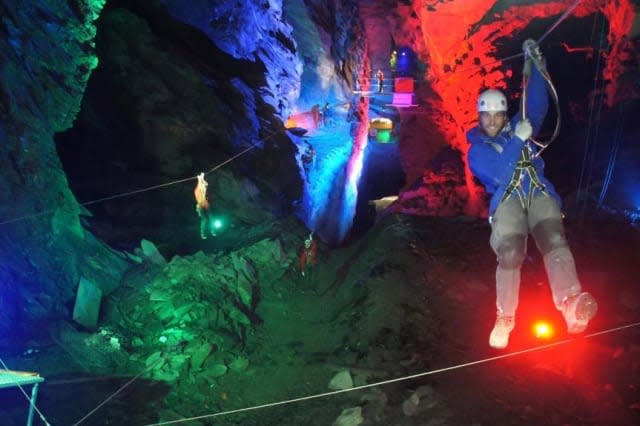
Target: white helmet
[[492, 101]]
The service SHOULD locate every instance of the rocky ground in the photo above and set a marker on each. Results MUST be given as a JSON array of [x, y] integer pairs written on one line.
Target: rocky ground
[[410, 304]]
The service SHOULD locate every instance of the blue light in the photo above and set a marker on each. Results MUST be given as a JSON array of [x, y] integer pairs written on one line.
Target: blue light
[[406, 62]]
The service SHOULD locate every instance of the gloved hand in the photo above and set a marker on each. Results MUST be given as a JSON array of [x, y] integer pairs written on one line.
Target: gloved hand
[[531, 48], [523, 129]]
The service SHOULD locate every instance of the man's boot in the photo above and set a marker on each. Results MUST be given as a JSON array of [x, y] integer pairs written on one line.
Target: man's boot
[[499, 337], [578, 310]]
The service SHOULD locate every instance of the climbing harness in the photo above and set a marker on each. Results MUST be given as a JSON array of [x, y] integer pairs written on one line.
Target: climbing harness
[[524, 166], [533, 57]]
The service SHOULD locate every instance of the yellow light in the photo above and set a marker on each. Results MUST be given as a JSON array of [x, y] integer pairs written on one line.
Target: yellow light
[[543, 330]]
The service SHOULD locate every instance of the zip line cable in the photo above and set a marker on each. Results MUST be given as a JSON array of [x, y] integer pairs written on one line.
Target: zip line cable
[[138, 191], [325, 394], [120, 389], [399, 379], [562, 18]]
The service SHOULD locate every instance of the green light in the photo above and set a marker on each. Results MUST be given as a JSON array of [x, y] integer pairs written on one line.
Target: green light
[[217, 224], [383, 135]]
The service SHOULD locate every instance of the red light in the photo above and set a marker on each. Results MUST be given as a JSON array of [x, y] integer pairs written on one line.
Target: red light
[[543, 330]]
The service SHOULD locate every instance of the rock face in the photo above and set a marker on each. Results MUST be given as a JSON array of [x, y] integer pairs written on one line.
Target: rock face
[[46, 56]]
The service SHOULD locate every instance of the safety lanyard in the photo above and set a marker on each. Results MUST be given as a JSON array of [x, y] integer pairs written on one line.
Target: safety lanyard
[[533, 57]]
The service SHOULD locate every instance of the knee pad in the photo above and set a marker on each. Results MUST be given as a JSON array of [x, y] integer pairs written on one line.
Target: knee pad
[[511, 251], [549, 235]]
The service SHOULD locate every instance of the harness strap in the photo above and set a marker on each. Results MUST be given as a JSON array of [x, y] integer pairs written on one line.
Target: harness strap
[[524, 165]]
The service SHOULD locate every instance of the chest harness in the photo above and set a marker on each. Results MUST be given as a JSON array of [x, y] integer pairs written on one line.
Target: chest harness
[[524, 167]]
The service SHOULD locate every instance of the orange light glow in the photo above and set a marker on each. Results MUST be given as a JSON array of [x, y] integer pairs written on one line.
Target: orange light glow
[[543, 330]]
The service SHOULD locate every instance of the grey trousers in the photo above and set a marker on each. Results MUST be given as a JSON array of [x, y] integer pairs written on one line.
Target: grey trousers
[[510, 226], [206, 224]]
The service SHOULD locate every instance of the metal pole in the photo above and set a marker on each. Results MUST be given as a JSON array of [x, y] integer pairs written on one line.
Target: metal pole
[[32, 403]]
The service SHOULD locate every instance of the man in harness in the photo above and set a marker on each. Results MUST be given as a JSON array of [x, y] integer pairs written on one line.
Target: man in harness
[[203, 208], [504, 159]]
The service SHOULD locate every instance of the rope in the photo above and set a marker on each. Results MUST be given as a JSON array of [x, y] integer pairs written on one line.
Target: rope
[[120, 389], [399, 379], [562, 18], [28, 398], [138, 191], [518, 55], [533, 57]]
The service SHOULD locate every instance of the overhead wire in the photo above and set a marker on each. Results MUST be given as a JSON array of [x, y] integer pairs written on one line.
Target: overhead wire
[[398, 379], [120, 389], [146, 189], [562, 18]]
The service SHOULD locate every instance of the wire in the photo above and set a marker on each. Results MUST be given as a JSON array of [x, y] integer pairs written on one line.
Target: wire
[[399, 379], [120, 389], [141, 190], [562, 18]]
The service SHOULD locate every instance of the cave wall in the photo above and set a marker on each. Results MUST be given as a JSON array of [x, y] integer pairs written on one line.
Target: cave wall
[[472, 45], [46, 56]]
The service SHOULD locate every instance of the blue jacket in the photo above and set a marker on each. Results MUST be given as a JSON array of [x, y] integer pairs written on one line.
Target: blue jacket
[[493, 159]]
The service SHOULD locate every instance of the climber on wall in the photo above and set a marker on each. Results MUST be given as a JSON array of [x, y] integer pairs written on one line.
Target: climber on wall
[[203, 207], [523, 202], [308, 256]]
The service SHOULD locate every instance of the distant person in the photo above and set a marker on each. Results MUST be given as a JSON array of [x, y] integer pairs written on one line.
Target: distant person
[[380, 77], [327, 115], [315, 115], [308, 159], [393, 62], [523, 202], [203, 207], [308, 256]]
